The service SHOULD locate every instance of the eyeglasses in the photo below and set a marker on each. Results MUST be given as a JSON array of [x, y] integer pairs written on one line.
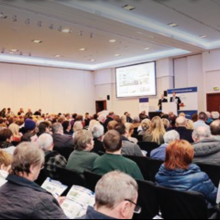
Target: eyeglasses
[[137, 209]]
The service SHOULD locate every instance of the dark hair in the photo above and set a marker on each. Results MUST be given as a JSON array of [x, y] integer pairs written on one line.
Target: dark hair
[[43, 127], [112, 141], [215, 127], [195, 117], [5, 134], [65, 125], [120, 128], [202, 116]]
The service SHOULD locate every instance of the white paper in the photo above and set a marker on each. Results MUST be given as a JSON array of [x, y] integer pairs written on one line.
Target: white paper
[[218, 196]]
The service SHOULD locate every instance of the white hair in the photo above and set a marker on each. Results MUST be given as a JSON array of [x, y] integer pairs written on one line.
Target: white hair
[[201, 133], [77, 126], [181, 121], [92, 123], [97, 131], [215, 115], [171, 136], [45, 141], [102, 118], [208, 114]]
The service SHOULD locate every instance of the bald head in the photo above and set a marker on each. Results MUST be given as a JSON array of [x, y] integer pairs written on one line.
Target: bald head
[[181, 121], [215, 128], [201, 133]]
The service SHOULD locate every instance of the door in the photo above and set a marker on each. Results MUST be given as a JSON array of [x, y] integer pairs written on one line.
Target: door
[[213, 102], [101, 106]]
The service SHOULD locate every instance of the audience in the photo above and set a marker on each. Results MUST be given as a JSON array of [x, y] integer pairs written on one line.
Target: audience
[[44, 127], [156, 131], [128, 148], [207, 149], [111, 125], [215, 116], [118, 202], [130, 132], [185, 134], [160, 153], [5, 166], [145, 125], [143, 115], [166, 123], [15, 131], [113, 160], [202, 118], [60, 139], [215, 129], [6, 138], [190, 125], [98, 134], [82, 159], [110, 117], [180, 174], [30, 133], [20, 197], [67, 128], [209, 118], [52, 158], [78, 126]]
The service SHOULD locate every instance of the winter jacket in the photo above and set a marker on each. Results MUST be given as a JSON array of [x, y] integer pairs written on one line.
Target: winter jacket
[[23, 199], [191, 179], [207, 151]]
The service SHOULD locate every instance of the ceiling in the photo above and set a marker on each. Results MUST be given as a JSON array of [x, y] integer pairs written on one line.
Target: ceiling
[[141, 35]]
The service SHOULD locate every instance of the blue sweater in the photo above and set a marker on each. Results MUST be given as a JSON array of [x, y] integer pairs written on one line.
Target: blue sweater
[[191, 179]]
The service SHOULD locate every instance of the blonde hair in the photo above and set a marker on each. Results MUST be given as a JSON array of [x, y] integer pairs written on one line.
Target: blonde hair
[[182, 114], [129, 128], [14, 129], [166, 123], [190, 125], [145, 124], [111, 125], [156, 129], [5, 158], [77, 126]]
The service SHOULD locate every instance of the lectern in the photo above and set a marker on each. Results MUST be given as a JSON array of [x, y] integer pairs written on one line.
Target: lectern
[[169, 107]]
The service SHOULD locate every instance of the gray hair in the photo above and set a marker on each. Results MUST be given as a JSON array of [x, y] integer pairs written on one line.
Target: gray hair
[[45, 141], [215, 115], [114, 188], [98, 131], [57, 127], [171, 136], [81, 139], [181, 121], [201, 133], [77, 126]]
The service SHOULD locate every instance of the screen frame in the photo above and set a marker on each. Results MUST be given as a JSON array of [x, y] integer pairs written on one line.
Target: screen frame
[[133, 97]]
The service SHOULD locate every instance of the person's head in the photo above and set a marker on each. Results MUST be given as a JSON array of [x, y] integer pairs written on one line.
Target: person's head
[[215, 115], [45, 142], [181, 122], [121, 129], [179, 155], [6, 135], [28, 160], [189, 125], [87, 116], [116, 195], [202, 116], [111, 114], [21, 110], [102, 118], [61, 119], [129, 128], [57, 128], [83, 141], [92, 123], [14, 129], [112, 142], [215, 128], [111, 125], [66, 125], [145, 124], [171, 136], [182, 114], [195, 118], [208, 115], [77, 126], [9, 110], [5, 161], [174, 94], [98, 131], [29, 125], [44, 127], [117, 118], [166, 123], [162, 96], [201, 133]]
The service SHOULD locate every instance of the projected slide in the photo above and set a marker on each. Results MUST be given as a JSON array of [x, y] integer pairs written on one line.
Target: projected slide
[[136, 81]]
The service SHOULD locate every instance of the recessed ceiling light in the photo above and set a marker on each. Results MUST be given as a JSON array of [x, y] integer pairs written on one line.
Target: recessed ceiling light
[[173, 25], [128, 7], [82, 49], [117, 55], [112, 40], [14, 50], [66, 30], [37, 41], [203, 36], [147, 48]]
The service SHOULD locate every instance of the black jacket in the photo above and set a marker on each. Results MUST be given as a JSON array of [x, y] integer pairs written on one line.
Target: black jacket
[[63, 140], [23, 199], [98, 146], [185, 134], [92, 214]]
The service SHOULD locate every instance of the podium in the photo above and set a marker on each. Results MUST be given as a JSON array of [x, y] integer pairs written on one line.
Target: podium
[[169, 107]]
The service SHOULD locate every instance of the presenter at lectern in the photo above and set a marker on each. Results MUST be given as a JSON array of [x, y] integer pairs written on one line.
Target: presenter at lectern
[[176, 99], [162, 100]]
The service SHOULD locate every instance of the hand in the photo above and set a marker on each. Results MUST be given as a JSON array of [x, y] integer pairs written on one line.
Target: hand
[[61, 200]]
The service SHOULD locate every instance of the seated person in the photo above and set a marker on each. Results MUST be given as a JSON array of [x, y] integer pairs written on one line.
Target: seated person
[[98, 133], [130, 132], [5, 166], [118, 201], [145, 125], [178, 172], [44, 127], [29, 131], [113, 160], [160, 153], [52, 158], [6, 137], [60, 139], [20, 197], [156, 131], [82, 159], [206, 148], [215, 129], [15, 131], [128, 148]]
